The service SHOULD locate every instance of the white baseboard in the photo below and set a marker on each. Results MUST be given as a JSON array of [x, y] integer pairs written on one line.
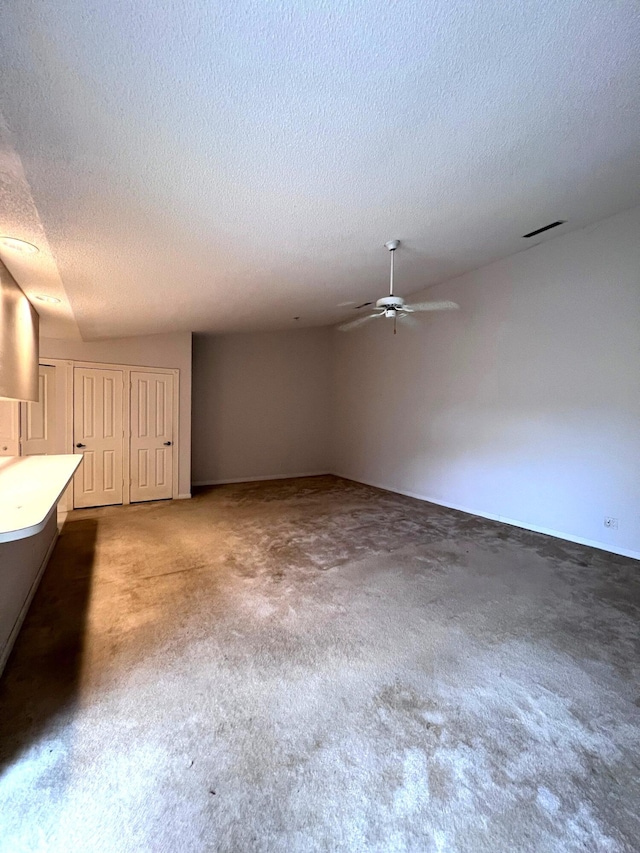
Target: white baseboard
[[534, 528], [260, 479], [183, 497], [6, 651]]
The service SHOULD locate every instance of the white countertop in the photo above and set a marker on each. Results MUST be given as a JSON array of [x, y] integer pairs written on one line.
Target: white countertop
[[30, 486]]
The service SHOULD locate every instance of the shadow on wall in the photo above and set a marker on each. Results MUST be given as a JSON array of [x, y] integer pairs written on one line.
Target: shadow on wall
[[40, 685]]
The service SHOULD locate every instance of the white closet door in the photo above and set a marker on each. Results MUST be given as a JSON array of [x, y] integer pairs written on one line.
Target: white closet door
[[38, 419], [151, 436], [98, 435], [9, 428]]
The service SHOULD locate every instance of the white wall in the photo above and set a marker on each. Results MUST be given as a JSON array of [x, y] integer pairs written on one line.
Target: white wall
[[525, 405], [261, 405], [173, 350]]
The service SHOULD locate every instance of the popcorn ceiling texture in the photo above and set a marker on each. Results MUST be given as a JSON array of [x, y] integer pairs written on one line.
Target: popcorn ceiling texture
[[316, 665], [37, 273], [222, 166]]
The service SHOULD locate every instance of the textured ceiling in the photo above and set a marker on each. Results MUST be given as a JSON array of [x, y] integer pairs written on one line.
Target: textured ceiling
[[230, 165]]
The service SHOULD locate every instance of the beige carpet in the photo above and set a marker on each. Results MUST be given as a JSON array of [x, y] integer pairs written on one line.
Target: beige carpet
[[315, 665]]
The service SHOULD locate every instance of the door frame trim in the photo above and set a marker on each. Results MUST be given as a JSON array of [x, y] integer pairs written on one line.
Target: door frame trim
[[69, 364]]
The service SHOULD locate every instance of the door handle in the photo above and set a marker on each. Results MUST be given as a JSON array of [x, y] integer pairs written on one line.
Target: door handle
[[167, 444], [80, 445]]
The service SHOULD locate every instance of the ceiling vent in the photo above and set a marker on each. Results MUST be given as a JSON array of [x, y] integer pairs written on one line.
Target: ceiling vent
[[546, 228]]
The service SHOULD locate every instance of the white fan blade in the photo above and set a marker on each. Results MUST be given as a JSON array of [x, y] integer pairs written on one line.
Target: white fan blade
[[408, 320], [431, 306], [353, 324]]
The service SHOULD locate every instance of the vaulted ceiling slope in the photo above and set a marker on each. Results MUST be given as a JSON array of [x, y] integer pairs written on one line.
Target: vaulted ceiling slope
[[231, 165]]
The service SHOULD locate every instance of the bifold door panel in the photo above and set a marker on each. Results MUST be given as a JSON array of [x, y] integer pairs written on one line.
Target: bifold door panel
[[28, 428], [98, 435], [38, 419], [151, 436], [9, 428]]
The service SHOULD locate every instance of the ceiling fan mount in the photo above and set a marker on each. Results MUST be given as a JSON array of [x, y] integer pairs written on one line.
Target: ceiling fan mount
[[394, 307], [391, 305]]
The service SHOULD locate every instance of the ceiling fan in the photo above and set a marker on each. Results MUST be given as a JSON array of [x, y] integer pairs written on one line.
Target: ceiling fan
[[395, 307]]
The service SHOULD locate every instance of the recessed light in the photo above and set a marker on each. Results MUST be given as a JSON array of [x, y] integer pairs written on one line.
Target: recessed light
[[53, 299], [19, 245]]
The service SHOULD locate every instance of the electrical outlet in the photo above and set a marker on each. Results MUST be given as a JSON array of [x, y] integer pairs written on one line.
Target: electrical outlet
[[612, 523]]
